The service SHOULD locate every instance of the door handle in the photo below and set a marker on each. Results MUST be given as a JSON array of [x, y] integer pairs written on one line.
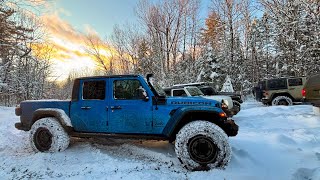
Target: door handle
[[115, 107], [86, 107]]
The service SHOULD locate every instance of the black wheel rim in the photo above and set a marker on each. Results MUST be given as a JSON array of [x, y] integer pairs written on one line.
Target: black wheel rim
[[283, 102], [202, 149], [42, 139]]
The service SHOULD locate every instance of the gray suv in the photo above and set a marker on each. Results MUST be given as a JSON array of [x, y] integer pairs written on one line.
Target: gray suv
[[283, 91]]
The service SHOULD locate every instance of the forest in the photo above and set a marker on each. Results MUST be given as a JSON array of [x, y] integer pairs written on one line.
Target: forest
[[244, 41]]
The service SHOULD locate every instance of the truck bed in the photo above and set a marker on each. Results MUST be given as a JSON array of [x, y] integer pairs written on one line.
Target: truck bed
[[28, 107]]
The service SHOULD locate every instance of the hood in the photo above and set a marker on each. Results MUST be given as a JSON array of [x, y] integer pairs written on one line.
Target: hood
[[192, 101]]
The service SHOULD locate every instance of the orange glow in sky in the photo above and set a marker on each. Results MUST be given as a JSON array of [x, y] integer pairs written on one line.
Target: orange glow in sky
[[69, 54]]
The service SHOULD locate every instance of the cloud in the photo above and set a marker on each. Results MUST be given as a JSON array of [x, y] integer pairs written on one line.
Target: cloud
[[37, 2], [70, 47], [61, 29]]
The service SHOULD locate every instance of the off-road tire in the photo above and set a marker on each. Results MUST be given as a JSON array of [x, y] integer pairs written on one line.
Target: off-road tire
[[47, 135], [282, 100], [205, 133]]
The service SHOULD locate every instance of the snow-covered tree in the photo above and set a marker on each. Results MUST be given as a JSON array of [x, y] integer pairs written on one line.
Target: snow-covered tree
[[227, 85], [209, 66], [24, 68]]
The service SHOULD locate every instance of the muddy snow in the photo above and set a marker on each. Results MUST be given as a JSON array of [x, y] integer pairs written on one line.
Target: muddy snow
[[273, 143]]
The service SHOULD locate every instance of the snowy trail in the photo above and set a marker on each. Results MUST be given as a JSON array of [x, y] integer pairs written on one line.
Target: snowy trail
[[273, 143]]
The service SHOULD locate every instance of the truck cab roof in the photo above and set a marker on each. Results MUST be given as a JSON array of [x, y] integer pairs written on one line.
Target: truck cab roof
[[111, 76]]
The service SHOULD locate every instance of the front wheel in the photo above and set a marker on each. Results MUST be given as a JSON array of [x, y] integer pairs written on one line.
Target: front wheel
[[47, 135], [202, 145]]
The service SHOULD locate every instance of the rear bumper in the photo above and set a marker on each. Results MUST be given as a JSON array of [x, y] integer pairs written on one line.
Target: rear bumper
[[18, 111], [230, 127], [265, 101], [20, 126], [315, 103]]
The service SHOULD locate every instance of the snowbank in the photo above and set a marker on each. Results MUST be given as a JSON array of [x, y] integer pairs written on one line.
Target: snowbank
[[273, 143]]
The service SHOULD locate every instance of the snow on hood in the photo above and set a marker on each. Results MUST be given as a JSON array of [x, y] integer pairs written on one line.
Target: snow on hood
[[227, 99]]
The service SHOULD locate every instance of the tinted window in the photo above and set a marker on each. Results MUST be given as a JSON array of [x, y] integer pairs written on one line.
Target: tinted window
[[126, 89], [262, 85], [94, 90], [295, 82], [167, 91], [277, 84], [208, 91], [179, 93]]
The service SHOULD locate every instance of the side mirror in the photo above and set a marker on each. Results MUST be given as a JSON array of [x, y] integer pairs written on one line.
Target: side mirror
[[143, 94]]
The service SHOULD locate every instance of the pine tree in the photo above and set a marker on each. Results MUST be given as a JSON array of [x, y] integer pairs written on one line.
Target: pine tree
[[209, 66]]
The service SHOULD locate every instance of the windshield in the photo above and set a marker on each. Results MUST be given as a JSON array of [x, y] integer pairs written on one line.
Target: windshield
[[194, 91], [208, 91], [157, 87]]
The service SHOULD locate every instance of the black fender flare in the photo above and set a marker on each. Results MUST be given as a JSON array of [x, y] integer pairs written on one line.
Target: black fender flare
[[176, 122], [59, 114]]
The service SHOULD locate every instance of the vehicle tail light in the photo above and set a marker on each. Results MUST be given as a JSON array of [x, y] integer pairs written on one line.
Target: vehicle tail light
[[303, 92]]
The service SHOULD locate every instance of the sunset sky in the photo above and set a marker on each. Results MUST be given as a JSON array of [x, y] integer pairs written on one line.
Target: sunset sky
[[66, 20]]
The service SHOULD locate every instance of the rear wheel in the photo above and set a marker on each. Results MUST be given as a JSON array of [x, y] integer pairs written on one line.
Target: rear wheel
[[282, 101], [47, 135], [202, 145]]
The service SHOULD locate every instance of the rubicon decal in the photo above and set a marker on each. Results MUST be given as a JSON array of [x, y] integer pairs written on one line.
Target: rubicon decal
[[191, 103]]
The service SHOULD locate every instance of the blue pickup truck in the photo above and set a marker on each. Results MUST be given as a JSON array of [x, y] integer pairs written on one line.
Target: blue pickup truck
[[130, 106]]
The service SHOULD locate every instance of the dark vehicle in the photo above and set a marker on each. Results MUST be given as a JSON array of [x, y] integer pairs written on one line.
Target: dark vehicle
[[258, 90], [311, 90], [127, 106], [283, 91]]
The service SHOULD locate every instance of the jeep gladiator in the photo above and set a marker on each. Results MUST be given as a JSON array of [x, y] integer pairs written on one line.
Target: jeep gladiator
[[128, 106]]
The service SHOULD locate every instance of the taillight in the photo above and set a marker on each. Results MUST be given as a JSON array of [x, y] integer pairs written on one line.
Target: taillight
[[265, 94], [303, 92]]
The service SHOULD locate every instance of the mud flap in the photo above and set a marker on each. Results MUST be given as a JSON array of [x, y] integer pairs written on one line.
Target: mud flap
[[230, 127]]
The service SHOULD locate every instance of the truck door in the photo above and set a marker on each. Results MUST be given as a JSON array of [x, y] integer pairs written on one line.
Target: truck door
[[89, 110], [128, 111]]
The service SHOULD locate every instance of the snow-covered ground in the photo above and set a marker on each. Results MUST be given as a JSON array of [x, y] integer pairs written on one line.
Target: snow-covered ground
[[273, 143]]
